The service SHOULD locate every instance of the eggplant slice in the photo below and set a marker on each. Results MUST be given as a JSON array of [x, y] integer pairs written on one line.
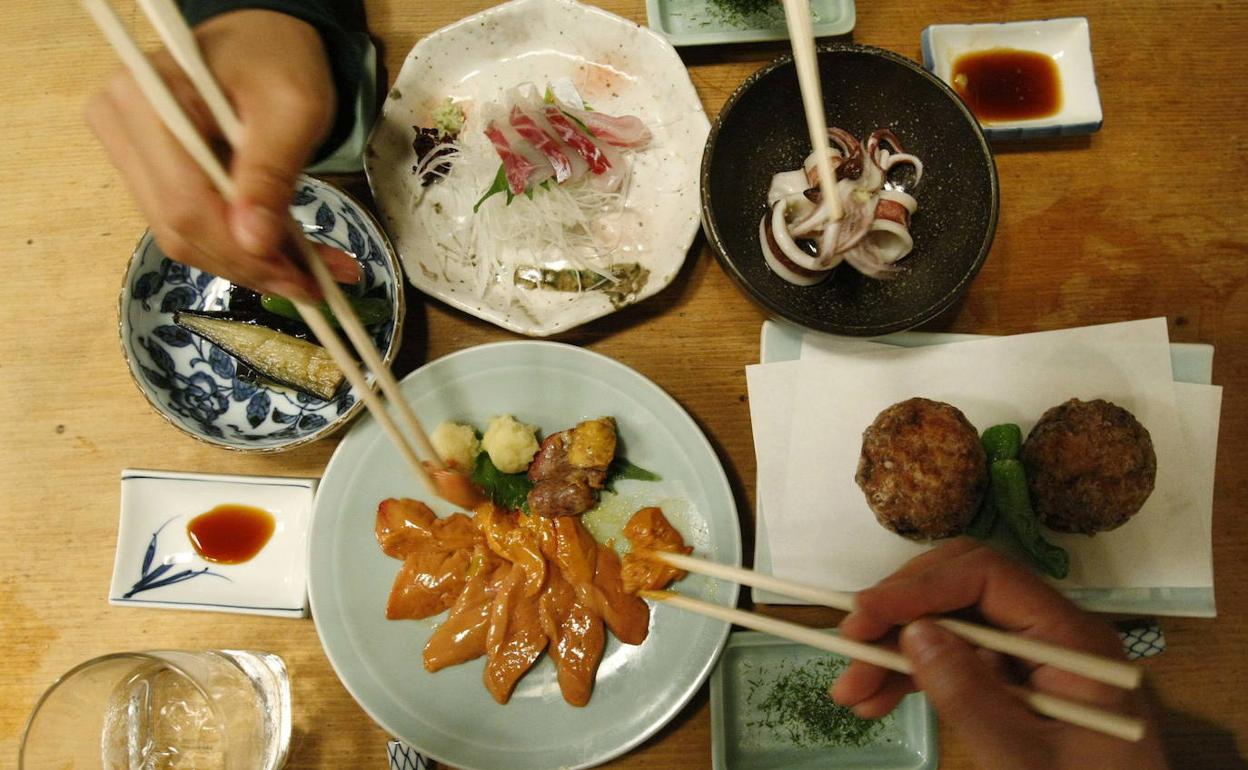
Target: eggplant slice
[[279, 357]]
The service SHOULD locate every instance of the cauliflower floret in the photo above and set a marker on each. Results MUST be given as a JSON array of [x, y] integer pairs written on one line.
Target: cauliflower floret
[[456, 444], [511, 444]]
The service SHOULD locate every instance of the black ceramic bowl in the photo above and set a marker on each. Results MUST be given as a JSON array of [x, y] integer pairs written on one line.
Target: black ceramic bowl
[[762, 131]]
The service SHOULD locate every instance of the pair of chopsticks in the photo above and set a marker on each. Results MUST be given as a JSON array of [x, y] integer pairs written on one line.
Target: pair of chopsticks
[[1113, 672], [180, 42]]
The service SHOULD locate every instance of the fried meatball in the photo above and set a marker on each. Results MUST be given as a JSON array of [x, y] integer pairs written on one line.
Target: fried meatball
[[923, 469], [1090, 466]]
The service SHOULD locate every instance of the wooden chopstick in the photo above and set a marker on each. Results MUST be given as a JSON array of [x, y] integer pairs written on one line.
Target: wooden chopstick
[[180, 41], [1081, 714], [1101, 669], [806, 62]]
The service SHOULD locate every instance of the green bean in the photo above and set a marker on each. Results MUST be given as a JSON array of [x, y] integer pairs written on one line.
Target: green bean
[[1002, 442], [1009, 491], [371, 310]]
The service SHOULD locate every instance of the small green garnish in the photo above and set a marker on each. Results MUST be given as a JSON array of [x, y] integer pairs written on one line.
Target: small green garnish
[[621, 468], [795, 704], [448, 118], [507, 490], [745, 12], [499, 185]]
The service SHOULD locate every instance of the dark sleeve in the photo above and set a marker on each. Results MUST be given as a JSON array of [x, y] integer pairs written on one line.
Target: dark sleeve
[[343, 30]]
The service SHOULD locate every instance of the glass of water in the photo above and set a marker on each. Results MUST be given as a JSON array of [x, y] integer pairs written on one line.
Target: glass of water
[[164, 710]]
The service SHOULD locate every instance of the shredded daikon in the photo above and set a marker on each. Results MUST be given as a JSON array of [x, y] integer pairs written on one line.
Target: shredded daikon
[[559, 226]]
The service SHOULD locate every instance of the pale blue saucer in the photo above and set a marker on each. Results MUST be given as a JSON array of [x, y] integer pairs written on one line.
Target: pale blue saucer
[[741, 737]]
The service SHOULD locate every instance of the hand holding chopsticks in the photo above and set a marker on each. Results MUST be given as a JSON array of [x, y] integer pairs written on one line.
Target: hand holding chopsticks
[[180, 41], [1096, 667]]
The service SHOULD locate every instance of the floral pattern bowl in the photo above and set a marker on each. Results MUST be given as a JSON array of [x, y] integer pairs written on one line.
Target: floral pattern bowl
[[196, 386]]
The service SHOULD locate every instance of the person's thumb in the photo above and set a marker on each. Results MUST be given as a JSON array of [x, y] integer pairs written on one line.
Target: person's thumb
[[966, 693], [266, 165]]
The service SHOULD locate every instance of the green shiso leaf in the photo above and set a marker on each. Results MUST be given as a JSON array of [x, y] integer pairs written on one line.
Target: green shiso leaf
[[507, 490]]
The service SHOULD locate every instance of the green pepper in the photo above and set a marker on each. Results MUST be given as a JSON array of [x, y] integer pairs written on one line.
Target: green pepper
[[1009, 492], [1002, 442], [985, 521], [370, 310]]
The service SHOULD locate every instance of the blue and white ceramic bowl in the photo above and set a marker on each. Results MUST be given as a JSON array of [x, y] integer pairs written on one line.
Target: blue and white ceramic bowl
[[195, 385]]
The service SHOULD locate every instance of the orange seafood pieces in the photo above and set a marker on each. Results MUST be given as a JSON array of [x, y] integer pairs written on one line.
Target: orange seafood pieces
[[514, 639], [508, 535], [627, 616], [436, 556], [461, 637], [407, 525], [649, 530], [577, 637]]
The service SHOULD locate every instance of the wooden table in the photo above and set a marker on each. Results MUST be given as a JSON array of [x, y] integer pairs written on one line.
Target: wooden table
[[1145, 218]]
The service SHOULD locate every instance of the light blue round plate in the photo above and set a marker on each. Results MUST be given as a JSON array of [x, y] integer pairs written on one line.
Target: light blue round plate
[[449, 715]]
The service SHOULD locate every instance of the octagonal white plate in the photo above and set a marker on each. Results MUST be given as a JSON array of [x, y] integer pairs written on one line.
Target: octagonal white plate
[[618, 67], [449, 715]]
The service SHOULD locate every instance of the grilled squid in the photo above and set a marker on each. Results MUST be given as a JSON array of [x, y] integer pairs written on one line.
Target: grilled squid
[[801, 241]]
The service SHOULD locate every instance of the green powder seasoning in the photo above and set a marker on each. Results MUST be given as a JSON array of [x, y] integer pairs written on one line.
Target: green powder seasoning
[[744, 14], [792, 703]]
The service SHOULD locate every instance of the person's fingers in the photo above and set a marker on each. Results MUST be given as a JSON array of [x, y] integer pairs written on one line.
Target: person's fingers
[[282, 124], [966, 693], [864, 626], [858, 682], [882, 703], [1003, 592], [186, 95], [187, 216], [946, 551]]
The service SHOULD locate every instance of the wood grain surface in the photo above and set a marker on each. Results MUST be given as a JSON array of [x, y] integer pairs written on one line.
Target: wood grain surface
[[1144, 218]]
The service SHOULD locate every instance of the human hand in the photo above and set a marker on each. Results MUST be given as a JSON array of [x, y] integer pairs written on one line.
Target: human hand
[[966, 685], [272, 67]]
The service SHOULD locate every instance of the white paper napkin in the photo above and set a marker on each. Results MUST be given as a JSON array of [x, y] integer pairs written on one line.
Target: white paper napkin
[[808, 418]]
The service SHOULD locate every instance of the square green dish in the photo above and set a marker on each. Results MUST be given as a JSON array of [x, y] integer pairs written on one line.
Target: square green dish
[[745, 733], [712, 22]]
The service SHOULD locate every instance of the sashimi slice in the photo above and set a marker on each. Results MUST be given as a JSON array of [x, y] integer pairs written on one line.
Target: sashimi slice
[[531, 132], [517, 167], [577, 140], [619, 130]]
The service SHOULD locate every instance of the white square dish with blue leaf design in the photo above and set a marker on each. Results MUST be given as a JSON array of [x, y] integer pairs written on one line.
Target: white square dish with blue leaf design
[[158, 566]]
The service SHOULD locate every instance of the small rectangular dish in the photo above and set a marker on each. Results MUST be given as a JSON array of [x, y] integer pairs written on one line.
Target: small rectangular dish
[[713, 22], [1067, 41], [767, 712], [157, 565]]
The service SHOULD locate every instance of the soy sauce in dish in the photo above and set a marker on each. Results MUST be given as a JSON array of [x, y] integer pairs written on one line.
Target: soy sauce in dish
[[231, 533], [1008, 84]]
